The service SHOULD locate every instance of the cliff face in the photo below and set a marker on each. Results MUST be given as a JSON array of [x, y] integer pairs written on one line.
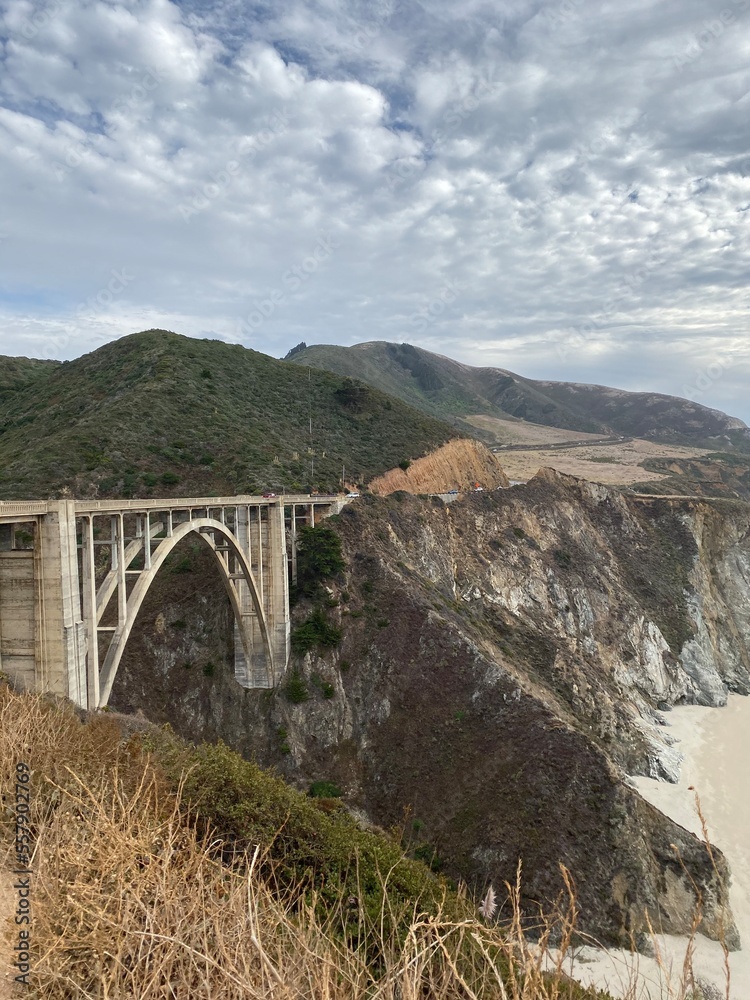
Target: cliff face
[[506, 661], [459, 465]]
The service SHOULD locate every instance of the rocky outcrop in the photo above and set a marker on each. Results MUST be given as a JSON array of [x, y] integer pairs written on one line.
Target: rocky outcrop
[[461, 464], [505, 663]]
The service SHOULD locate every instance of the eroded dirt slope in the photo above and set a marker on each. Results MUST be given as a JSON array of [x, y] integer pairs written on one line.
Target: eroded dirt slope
[[459, 464]]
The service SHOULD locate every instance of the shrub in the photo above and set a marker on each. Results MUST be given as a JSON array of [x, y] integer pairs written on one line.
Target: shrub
[[295, 689], [170, 478], [404, 464], [316, 630], [324, 790], [429, 856], [562, 558]]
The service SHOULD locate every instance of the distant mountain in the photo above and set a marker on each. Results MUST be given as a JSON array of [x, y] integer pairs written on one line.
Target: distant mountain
[[450, 390], [157, 414]]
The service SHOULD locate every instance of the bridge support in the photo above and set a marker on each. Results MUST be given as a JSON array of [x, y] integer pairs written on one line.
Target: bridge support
[[40, 612], [70, 591], [263, 539]]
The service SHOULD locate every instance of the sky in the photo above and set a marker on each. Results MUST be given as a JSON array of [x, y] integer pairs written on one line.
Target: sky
[[561, 189]]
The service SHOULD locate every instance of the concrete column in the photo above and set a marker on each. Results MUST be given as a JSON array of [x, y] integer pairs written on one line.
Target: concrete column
[[17, 611], [122, 593], [293, 543], [60, 640], [254, 673], [89, 611], [147, 540], [276, 590]]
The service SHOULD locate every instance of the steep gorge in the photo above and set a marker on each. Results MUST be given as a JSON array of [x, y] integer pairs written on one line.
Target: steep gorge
[[506, 662]]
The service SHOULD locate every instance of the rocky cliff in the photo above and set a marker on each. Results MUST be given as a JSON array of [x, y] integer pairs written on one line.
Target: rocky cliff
[[506, 661]]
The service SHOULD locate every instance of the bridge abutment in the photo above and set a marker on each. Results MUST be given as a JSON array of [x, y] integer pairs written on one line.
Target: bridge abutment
[[42, 633], [17, 611]]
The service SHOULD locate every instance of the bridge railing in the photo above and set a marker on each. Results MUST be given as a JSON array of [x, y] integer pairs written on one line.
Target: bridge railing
[[20, 508], [199, 503]]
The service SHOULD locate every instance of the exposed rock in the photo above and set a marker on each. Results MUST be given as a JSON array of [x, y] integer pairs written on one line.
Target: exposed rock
[[503, 667]]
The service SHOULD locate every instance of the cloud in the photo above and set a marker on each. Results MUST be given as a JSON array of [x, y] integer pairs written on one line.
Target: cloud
[[576, 176]]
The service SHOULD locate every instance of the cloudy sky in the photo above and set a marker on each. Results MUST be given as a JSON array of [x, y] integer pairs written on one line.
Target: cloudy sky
[[562, 189]]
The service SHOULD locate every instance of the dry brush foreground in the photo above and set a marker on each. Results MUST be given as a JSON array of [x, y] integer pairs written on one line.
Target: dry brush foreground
[[137, 895]]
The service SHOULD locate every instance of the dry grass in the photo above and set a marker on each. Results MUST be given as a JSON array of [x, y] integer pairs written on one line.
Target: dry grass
[[131, 901], [622, 465], [514, 431]]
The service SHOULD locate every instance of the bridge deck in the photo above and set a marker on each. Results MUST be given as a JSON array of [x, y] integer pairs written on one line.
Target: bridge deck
[[16, 510], [197, 503]]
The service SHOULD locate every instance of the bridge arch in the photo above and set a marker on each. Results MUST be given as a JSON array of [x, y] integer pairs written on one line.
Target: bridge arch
[[207, 529]]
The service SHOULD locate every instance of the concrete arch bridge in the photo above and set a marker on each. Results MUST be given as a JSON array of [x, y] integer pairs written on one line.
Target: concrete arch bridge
[[74, 574]]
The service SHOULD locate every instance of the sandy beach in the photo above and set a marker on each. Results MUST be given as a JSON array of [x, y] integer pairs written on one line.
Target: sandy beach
[[715, 744]]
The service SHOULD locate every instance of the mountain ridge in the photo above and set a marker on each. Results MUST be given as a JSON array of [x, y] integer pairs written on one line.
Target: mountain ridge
[[452, 390], [156, 413]]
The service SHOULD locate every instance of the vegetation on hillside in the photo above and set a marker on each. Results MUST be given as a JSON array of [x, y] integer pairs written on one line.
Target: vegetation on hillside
[[17, 373], [449, 391], [157, 414], [164, 870]]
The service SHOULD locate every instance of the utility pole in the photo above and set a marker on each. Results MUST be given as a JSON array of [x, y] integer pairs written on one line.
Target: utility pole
[[312, 449]]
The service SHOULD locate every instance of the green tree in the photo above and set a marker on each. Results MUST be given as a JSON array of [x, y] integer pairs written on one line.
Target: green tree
[[318, 557]]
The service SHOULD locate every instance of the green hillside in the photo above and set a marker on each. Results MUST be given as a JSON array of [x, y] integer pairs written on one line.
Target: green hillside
[[157, 414], [17, 373], [449, 390]]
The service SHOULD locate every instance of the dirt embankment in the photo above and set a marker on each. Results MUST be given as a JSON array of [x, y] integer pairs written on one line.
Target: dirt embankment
[[458, 465]]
